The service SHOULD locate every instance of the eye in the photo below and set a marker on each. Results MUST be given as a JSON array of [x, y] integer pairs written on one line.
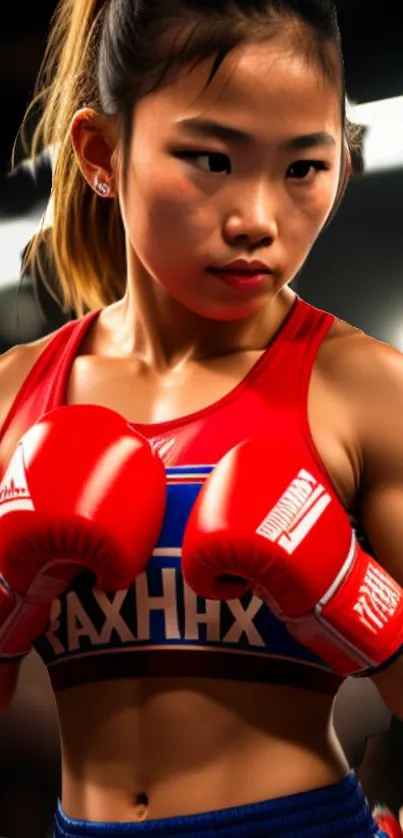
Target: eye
[[302, 168], [210, 162]]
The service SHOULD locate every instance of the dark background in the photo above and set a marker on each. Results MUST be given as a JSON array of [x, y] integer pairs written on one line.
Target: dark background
[[355, 270]]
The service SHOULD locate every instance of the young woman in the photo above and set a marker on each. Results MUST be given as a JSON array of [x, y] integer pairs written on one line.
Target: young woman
[[200, 149]]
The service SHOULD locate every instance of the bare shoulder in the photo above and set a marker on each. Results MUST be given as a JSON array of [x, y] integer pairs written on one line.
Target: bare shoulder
[[367, 375], [15, 365], [358, 362]]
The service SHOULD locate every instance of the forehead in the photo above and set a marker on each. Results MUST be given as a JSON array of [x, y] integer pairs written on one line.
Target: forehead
[[266, 88]]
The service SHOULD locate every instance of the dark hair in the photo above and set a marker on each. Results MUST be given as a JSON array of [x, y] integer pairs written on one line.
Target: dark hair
[[108, 54]]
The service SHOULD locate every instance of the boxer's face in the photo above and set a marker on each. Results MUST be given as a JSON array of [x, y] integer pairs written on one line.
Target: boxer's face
[[197, 198]]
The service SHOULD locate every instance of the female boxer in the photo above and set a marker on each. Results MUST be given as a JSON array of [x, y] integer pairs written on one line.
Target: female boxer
[[201, 148]]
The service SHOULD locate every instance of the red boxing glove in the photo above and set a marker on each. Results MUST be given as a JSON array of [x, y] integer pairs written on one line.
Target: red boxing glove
[[83, 491], [264, 521], [387, 822]]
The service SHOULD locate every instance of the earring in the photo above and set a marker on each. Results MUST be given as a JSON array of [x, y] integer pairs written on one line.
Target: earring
[[102, 187]]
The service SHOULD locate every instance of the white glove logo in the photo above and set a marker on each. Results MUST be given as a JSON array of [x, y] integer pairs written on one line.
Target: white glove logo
[[296, 512], [14, 492]]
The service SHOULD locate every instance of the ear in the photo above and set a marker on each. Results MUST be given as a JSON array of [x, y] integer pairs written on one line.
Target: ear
[[95, 139]]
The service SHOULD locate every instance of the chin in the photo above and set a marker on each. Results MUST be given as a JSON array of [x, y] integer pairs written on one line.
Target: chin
[[226, 314], [229, 311]]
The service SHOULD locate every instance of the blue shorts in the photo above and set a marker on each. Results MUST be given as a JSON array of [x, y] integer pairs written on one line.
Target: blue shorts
[[336, 811]]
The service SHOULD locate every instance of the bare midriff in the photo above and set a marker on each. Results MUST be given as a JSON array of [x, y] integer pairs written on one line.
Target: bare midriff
[[157, 748]]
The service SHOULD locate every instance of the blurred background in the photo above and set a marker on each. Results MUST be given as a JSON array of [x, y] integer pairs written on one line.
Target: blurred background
[[355, 271]]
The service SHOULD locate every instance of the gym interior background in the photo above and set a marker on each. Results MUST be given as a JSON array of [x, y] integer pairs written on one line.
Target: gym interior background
[[355, 270]]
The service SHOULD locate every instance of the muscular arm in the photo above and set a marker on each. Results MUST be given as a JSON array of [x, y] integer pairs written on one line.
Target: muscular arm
[[14, 367], [379, 413]]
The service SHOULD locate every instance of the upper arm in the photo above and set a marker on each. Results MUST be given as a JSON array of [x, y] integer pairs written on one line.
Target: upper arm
[[380, 431], [381, 438], [14, 367]]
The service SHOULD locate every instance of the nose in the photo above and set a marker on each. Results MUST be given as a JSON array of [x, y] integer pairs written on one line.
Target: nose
[[252, 222]]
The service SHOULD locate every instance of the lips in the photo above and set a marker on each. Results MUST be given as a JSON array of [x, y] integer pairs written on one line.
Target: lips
[[241, 267], [242, 281], [237, 272]]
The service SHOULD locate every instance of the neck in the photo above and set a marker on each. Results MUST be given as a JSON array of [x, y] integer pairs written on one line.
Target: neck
[[164, 335]]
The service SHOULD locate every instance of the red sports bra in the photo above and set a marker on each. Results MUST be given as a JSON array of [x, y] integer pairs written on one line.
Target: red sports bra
[[158, 626]]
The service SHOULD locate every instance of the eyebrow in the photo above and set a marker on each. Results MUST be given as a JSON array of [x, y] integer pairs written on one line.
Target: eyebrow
[[211, 128]]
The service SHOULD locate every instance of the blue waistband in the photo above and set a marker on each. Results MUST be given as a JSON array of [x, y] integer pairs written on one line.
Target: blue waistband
[[336, 811]]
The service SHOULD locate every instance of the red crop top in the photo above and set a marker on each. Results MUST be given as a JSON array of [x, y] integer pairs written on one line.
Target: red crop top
[[158, 626]]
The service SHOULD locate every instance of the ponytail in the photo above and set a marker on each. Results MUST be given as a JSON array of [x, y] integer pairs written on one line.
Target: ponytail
[[87, 237]]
